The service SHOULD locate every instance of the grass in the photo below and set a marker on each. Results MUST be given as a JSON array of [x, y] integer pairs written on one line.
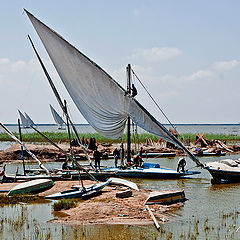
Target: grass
[[21, 198], [63, 137], [64, 204]]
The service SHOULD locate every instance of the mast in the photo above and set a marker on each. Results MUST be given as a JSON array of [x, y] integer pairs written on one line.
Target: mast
[[68, 128], [128, 119], [20, 138]]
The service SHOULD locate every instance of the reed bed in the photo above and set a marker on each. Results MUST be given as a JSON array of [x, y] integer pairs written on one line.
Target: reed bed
[[141, 138]]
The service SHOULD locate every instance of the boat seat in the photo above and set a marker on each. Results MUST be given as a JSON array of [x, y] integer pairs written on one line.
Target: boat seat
[[150, 165]]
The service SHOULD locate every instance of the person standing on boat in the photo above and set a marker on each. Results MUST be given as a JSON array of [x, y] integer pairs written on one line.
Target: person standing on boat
[[97, 155], [181, 165], [122, 154], [116, 154]]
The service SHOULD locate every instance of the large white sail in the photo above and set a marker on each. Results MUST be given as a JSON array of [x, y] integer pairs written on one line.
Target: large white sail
[[56, 116], [24, 121], [100, 99], [29, 120]]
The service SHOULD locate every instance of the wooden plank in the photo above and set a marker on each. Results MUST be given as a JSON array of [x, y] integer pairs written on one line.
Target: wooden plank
[[153, 217]]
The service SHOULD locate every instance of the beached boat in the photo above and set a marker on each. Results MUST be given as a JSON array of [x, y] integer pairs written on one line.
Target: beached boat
[[166, 197], [78, 192], [32, 187], [224, 170], [101, 100], [59, 121]]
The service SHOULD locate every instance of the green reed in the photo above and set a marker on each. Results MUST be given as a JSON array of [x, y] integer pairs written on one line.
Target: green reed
[[141, 138]]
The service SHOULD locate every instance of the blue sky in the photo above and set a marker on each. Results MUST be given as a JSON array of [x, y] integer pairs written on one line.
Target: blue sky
[[187, 54]]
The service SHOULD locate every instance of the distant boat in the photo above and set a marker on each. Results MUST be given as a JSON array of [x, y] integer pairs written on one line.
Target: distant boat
[[32, 187], [29, 120], [59, 121], [24, 120]]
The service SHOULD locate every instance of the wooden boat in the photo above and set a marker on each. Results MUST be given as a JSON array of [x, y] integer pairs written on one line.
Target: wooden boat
[[15, 178], [78, 192], [158, 155], [206, 153], [119, 181], [224, 170], [166, 197], [32, 187], [150, 171]]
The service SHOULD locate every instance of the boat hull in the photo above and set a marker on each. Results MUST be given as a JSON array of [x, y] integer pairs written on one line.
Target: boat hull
[[32, 187], [218, 175], [153, 173]]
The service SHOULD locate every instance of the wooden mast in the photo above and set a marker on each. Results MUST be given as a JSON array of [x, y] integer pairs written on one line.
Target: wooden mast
[[128, 119], [20, 138]]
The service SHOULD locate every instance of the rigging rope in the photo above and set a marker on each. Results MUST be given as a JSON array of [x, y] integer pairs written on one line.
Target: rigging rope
[[154, 101]]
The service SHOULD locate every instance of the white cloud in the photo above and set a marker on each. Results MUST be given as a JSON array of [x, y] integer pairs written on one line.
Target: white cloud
[[156, 54], [4, 61], [225, 65], [201, 74], [139, 10]]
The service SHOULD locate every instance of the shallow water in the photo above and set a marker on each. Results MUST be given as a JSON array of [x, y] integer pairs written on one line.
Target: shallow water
[[212, 212]]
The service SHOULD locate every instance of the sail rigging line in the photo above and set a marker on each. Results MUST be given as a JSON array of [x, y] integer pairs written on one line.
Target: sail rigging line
[[154, 101], [66, 154], [59, 100], [23, 145]]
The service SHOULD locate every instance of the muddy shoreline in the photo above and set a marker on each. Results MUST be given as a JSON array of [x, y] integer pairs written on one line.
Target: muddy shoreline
[[107, 208], [46, 152]]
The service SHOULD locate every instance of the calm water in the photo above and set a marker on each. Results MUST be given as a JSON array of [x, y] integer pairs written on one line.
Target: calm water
[[182, 128], [211, 211]]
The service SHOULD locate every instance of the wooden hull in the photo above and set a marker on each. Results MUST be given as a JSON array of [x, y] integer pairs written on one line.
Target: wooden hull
[[218, 175], [153, 173], [32, 187], [166, 197], [78, 193]]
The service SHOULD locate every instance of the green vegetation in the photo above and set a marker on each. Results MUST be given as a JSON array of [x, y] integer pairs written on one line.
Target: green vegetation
[[63, 137], [21, 198], [64, 204]]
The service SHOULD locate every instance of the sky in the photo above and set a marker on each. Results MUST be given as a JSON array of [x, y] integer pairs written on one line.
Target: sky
[[186, 53]]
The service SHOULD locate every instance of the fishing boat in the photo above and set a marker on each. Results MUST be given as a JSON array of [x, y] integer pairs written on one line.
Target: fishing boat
[[32, 187], [226, 170], [78, 192], [59, 121], [151, 171], [29, 120], [106, 105]]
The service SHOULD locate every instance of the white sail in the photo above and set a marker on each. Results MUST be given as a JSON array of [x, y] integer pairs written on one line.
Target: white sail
[[29, 120], [24, 121], [100, 99], [56, 116]]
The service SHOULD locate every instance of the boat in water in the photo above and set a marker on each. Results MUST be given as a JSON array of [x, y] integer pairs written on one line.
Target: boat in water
[[226, 170], [106, 105]]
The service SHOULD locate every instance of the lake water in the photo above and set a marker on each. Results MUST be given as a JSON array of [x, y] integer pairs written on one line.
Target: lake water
[[182, 128], [212, 211]]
